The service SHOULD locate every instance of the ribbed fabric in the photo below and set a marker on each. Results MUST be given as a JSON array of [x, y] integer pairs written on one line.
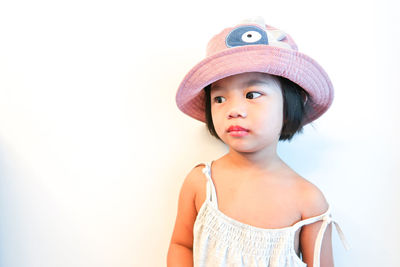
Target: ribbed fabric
[[221, 241]]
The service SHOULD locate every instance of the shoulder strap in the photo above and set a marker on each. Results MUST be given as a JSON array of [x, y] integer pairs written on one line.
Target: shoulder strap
[[327, 219], [211, 192], [312, 219]]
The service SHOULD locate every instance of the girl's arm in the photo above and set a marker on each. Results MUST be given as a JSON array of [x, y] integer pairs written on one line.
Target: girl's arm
[[315, 204], [180, 252]]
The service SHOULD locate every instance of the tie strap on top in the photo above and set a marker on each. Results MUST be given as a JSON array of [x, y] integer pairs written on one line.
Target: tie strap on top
[[327, 219]]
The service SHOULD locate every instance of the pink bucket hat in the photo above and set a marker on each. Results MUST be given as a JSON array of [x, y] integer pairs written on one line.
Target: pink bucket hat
[[253, 46]]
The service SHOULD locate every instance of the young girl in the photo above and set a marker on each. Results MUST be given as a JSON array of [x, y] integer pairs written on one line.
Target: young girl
[[248, 208]]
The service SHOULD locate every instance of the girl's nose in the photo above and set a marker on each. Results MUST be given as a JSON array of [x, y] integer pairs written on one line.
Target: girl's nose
[[237, 106], [235, 112]]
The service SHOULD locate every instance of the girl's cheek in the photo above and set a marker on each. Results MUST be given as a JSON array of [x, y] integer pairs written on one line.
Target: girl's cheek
[[219, 126]]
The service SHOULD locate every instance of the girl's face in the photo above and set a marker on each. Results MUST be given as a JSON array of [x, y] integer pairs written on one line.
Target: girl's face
[[250, 100]]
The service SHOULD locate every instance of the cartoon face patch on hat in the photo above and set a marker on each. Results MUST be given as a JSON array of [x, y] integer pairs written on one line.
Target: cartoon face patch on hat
[[246, 35], [254, 35]]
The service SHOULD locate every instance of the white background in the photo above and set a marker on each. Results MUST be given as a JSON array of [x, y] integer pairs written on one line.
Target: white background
[[93, 150]]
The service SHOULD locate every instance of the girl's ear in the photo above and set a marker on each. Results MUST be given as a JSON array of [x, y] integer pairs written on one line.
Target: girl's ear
[[305, 99]]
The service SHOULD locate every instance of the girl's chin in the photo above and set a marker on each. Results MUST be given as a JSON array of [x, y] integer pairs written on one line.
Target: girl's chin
[[242, 146]]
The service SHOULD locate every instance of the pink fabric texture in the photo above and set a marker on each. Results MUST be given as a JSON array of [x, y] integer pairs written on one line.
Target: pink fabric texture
[[282, 60]]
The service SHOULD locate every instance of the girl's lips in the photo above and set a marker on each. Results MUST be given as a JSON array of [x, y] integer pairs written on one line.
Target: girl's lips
[[236, 128], [238, 133]]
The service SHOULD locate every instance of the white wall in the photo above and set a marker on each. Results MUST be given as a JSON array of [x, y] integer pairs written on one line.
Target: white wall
[[93, 149]]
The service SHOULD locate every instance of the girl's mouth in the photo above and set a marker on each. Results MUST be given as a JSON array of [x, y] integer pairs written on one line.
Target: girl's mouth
[[236, 130]]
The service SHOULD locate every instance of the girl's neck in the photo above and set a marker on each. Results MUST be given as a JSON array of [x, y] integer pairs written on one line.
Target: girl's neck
[[267, 161]]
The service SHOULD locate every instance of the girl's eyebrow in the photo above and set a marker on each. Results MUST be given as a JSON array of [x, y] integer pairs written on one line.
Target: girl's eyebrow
[[246, 84], [256, 82]]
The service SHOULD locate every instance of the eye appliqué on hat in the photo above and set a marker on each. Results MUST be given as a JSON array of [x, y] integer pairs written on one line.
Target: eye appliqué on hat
[[246, 35], [253, 35]]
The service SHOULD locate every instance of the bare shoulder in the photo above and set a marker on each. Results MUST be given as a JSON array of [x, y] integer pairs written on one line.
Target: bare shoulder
[[197, 177], [194, 181], [194, 176], [311, 199], [199, 181], [187, 212]]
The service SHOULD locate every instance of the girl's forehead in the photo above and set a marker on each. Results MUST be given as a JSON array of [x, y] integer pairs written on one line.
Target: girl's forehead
[[246, 79]]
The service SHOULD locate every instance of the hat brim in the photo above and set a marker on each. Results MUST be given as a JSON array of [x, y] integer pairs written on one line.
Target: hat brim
[[291, 64]]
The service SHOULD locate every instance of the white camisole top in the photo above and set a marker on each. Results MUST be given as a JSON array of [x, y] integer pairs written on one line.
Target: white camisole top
[[221, 241]]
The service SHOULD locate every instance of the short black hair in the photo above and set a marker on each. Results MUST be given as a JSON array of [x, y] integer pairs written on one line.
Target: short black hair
[[294, 99]]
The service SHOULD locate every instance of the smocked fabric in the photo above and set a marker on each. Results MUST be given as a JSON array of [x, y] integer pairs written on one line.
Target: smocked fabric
[[222, 241]]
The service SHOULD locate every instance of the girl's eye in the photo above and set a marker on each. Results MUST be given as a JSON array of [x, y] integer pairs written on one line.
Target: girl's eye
[[218, 99], [250, 93]]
